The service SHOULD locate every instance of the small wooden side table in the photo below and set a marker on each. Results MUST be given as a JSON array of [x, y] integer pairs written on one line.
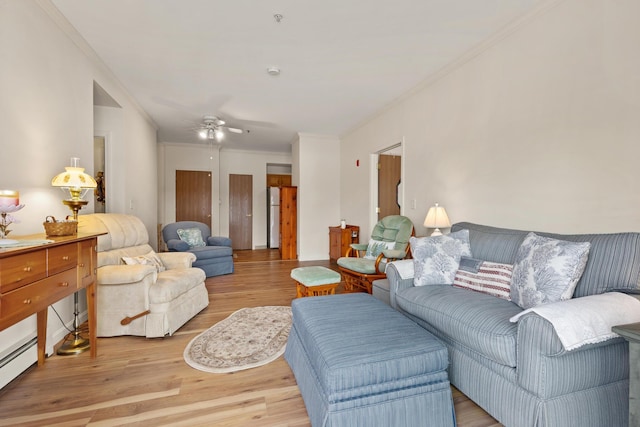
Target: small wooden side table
[[340, 240], [631, 333]]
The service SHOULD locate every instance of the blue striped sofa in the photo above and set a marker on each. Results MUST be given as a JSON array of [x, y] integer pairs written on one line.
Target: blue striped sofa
[[519, 372]]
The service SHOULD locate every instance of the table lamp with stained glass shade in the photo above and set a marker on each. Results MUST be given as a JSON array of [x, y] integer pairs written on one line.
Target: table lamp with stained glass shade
[[77, 183]]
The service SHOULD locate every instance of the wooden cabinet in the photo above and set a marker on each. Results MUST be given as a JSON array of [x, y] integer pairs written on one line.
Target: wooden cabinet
[[288, 222], [278, 180], [340, 239], [34, 277]]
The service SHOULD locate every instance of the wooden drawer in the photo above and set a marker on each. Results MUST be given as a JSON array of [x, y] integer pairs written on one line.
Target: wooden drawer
[[22, 269], [62, 258], [29, 299]]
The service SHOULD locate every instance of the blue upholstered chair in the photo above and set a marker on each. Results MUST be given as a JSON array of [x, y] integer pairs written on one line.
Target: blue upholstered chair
[[365, 262], [213, 253]]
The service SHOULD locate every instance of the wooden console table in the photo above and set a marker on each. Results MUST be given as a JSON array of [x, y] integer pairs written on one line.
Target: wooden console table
[[34, 277]]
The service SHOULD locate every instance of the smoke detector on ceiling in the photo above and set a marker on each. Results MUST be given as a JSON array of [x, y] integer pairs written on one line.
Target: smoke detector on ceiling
[[273, 71]]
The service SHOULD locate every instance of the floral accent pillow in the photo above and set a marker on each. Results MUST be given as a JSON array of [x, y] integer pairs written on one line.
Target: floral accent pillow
[[436, 258], [151, 259], [193, 237], [547, 270], [376, 247]]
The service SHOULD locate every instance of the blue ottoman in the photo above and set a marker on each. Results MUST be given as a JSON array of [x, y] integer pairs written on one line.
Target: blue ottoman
[[358, 362]]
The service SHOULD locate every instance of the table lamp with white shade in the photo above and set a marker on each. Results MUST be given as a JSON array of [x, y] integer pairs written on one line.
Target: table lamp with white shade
[[437, 218]]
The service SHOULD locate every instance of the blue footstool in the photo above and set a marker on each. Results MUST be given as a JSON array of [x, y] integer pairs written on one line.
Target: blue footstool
[[358, 362]]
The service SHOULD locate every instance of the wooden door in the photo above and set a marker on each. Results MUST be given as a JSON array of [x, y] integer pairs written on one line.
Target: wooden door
[[389, 173], [193, 196], [288, 222], [241, 211]]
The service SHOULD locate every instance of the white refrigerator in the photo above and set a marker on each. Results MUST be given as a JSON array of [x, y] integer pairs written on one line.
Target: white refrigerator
[[273, 217]]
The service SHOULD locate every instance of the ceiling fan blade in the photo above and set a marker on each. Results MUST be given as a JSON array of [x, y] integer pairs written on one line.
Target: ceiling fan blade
[[234, 130]]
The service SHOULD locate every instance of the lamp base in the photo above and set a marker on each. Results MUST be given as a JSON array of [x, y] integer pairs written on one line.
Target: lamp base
[[436, 232], [76, 346], [8, 242]]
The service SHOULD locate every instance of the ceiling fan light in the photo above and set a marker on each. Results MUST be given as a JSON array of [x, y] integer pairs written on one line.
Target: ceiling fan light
[[202, 133], [219, 134], [210, 134]]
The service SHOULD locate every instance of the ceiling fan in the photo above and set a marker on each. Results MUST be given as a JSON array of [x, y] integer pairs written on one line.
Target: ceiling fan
[[212, 127]]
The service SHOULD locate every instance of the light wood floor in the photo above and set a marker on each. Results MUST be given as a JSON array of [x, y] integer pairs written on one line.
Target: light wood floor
[[145, 382]]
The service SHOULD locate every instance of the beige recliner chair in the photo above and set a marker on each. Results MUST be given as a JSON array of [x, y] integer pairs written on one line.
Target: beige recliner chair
[[145, 298]]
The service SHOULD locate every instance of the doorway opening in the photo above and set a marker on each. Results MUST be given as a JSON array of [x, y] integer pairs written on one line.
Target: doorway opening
[[387, 192]]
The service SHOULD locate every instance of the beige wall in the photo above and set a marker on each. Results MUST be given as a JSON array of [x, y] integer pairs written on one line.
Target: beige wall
[[537, 130], [316, 174], [46, 117]]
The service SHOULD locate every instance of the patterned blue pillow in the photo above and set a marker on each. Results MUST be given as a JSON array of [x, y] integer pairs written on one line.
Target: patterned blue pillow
[[193, 237], [547, 270], [436, 258]]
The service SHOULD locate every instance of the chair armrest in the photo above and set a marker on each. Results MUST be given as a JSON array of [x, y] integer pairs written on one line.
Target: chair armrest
[[124, 274], [355, 249], [218, 241], [400, 276], [173, 260], [177, 245], [394, 254], [359, 246]]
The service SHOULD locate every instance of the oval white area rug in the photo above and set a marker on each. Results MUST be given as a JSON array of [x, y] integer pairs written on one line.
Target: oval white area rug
[[248, 338]]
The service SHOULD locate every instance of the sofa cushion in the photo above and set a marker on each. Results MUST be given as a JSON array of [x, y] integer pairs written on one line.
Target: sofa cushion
[[173, 283], [547, 270], [613, 263], [477, 321], [491, 278], [436, 258], [208, 252]]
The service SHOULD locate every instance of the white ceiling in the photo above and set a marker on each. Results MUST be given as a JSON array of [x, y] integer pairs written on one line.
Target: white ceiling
[[341, 60]]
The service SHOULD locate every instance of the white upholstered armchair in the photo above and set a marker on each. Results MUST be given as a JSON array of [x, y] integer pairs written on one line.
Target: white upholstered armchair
[[152, 297]]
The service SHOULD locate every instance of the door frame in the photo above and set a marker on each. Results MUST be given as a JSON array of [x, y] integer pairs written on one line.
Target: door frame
[[398, 149]]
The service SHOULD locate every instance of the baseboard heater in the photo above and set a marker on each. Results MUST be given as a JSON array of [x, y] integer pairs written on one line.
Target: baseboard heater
[[18, 352]]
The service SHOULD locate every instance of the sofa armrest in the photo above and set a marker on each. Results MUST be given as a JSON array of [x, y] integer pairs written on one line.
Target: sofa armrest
[[173, 260], [547, 370], [218, 241], [124, 274], [400, 276], [177, 245]]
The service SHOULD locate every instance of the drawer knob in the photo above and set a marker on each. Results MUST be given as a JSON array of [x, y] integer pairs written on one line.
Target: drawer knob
[[65, 258], [27, 269], [27, 301], [82, 265], [64, 284]]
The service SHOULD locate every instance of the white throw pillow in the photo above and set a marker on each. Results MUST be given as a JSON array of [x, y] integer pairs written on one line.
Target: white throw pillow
[[151, 259], [376, 247], [436, 258], [547, 270]]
